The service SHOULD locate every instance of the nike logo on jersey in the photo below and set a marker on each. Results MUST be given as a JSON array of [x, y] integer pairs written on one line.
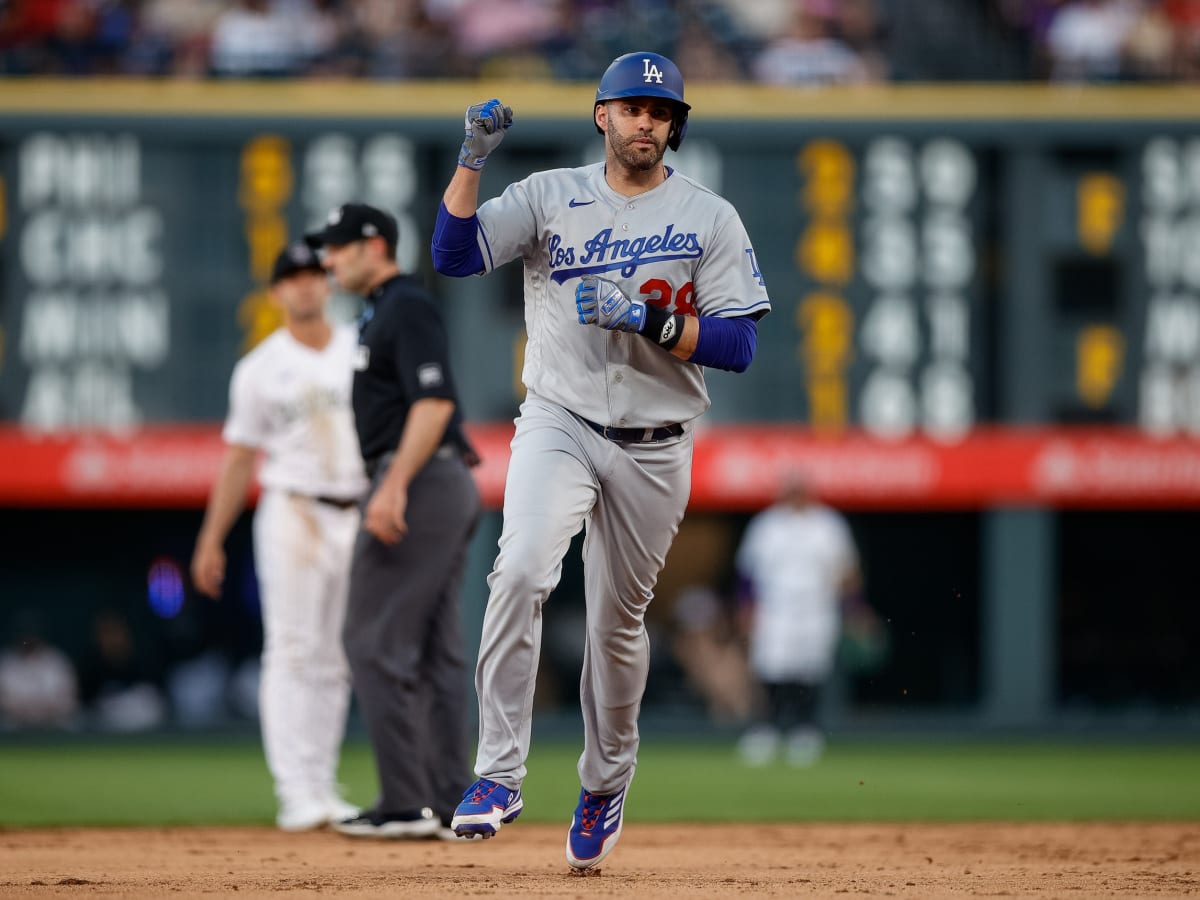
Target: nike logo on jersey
[[574, 203]]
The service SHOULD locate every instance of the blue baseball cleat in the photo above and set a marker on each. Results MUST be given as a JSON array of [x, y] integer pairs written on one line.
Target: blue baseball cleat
[[595, 827], [486, 805]]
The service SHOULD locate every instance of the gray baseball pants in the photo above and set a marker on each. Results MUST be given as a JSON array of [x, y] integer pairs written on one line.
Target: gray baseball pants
[[563, 476], [403, 639]]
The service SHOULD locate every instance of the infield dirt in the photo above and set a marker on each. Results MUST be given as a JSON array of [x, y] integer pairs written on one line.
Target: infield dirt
[[1158, 860]]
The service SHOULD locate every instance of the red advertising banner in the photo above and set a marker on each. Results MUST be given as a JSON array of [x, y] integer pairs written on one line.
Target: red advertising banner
[[735, 468], [742, 468]]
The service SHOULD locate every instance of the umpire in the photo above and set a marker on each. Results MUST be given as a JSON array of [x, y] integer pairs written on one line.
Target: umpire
[[403, 632]]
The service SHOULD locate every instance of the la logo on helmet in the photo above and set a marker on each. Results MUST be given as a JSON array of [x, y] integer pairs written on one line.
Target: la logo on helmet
[[650, 72]]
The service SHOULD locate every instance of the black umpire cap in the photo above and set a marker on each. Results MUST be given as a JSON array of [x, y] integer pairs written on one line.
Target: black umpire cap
[[295, 257], [354, 222]]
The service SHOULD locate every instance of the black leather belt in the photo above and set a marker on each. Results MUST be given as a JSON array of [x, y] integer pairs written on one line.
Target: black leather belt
[[339, 502], [635, 435]]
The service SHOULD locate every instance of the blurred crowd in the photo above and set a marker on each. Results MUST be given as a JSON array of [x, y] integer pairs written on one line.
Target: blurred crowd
[[129, 671], [770, 41]]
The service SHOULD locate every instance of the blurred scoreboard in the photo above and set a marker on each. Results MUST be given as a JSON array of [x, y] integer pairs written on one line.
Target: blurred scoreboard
[[952, 281], [952, 270], [892, 316]]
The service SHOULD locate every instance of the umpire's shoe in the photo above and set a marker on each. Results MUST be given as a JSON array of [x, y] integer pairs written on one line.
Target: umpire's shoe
[[374, 823], [486, 805], [595, 827]]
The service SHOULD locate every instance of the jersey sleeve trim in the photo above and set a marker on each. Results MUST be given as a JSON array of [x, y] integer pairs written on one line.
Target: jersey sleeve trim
[[490, 262], [755, 310]]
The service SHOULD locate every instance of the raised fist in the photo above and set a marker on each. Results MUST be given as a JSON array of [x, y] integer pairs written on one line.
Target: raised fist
[[485, 127]]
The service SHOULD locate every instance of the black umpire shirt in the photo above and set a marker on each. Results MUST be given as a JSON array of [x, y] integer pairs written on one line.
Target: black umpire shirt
[[403, 357]]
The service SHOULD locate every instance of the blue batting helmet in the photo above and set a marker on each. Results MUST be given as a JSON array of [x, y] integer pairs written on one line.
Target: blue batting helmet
[[646, 75]]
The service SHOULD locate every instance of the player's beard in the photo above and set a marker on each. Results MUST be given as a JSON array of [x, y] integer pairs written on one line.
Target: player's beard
[[633, 158]]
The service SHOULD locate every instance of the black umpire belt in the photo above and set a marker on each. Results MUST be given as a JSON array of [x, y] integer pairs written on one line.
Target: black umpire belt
[[375, 463], [339, 502], [634, 435]]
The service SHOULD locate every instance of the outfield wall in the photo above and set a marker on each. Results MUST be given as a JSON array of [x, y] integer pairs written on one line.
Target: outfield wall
[[985, 343]]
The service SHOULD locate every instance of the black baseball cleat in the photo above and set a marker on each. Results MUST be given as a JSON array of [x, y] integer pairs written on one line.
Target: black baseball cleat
[[373, 823]]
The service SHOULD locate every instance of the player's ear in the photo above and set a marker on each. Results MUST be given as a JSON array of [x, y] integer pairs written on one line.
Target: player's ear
[[600, 114]]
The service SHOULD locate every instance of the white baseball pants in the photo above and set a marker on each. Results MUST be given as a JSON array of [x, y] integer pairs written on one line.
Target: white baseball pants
[[302, 553]]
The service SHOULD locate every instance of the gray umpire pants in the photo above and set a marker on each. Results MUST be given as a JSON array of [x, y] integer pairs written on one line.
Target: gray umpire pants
[[404, 641], [561, 476]]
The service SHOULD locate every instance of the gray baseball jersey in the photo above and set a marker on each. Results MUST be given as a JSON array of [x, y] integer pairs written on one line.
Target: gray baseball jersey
[[679, 246]]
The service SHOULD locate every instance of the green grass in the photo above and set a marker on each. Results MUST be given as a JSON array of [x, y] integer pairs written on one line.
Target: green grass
[[162, 782]]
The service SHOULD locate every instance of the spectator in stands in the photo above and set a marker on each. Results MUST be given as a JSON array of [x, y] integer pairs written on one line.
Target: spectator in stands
[[119, 684], [254, 39], [499, 34], [1086, 39], [799, 41], [71, 41], [761, 20], [860, 26], [1184, 16], [809, 53], [28, 35], [1150, 48], [38, 687], [172, 37], [702, 58], [400, 40], [318, 27], [707, 648]]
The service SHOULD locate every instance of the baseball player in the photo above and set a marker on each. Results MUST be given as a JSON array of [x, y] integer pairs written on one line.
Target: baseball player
[[636, 278], [796, 562], [289, 398]]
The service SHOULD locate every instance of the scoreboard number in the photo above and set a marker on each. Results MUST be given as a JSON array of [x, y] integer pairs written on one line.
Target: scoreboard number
[[918, 262]]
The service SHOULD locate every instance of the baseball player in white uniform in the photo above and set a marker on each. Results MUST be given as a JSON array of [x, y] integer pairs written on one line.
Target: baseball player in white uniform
[[289, 399], [796, 561], [636, 277]]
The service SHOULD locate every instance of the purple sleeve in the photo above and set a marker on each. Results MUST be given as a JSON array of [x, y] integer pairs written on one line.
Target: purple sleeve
[[726, 343], [455, 245]]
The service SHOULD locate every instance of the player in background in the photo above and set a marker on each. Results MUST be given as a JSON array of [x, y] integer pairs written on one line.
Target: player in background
[[403, 633], [636, 278], [289, 398], [798, 568]]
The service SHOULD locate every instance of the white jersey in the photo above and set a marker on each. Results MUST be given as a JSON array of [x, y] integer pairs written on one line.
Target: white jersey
[[678, 245], [293, 402], [797, 560]]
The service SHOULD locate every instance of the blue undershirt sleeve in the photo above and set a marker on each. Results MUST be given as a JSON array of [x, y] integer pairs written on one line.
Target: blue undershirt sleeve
[[455, 247], [726, 343]]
